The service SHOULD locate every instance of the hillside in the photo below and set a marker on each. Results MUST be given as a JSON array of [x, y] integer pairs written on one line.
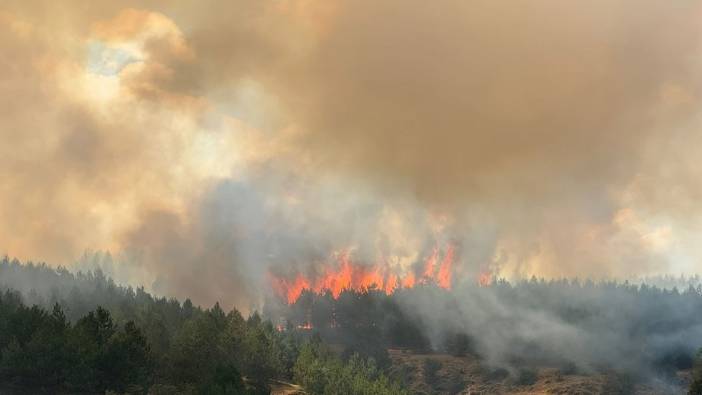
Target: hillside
[[468, 375], [57, 336], [323, 343]]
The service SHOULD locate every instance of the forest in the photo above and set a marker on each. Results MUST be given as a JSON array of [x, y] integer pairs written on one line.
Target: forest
[[64, 332], [639, 329], [81, 333]]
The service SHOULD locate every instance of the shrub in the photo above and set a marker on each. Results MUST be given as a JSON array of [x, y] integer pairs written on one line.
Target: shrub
[[431, 368], [526, 376]]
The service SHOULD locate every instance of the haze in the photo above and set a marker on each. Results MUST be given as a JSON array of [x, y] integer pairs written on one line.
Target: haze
[[225, 142]]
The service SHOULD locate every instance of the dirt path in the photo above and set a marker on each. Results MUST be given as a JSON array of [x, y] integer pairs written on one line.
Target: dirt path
[[283, 388]]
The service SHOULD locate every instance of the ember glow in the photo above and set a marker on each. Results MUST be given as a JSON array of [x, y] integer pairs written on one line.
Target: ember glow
[[347, 274]]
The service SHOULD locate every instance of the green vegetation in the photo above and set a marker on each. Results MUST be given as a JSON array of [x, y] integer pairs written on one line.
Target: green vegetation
[[321, 372], [526, 376], [618, 384], [431, 368], [138, 344], [696, 385], [640, 330], [207, 353], [63, 332], [458, 344]]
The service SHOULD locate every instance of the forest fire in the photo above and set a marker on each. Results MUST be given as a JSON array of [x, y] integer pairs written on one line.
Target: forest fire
[[350, 275], [485, 279]]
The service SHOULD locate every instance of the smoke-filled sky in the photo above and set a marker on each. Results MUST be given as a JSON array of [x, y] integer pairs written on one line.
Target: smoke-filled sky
[[209, 143]]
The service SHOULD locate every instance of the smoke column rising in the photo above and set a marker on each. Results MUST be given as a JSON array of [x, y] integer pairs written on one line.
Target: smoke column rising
[[209, 145]]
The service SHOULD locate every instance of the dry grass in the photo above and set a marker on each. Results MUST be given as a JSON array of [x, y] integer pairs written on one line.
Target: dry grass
[[283, 388], [466, 375]]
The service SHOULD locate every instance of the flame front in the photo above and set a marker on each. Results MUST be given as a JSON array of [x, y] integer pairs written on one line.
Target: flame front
[[348, 275], [485, 278], [444, 276]]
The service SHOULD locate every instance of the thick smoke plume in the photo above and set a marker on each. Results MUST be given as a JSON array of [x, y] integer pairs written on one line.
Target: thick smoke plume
[[208, 145]]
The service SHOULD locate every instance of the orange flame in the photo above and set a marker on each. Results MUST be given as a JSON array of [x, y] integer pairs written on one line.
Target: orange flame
[[348, 275], [484, 279], [391, 284], [292, 289], [408, 282], [444, 276], [306, 326], [430, 263]]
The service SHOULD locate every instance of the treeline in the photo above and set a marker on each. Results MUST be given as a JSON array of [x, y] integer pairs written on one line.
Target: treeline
[[367, 323], [210, 352], [97, 336], [44, 351], [579, 326], [81, 292]]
